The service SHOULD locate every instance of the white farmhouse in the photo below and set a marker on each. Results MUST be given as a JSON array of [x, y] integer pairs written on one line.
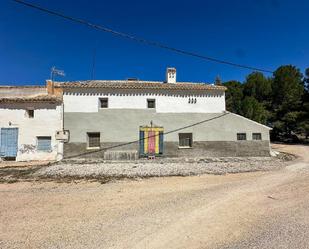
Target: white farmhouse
[[152, 118], [124, 119], [29, 121]]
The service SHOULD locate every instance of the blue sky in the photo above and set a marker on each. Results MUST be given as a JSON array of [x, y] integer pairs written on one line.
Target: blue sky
[[260, 33]]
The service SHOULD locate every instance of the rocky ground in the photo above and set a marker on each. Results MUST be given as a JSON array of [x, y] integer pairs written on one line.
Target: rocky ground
[[176, 167], [105, 171], [264, 209]]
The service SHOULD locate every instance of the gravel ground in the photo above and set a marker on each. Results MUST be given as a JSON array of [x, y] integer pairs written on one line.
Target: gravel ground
[[250, 210], [159, 167]]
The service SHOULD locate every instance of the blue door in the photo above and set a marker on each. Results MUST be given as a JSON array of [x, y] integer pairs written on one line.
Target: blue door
[[8, 143]]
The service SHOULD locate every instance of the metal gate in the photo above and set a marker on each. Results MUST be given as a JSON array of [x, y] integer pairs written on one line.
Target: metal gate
[[8, 142], [151, 141]]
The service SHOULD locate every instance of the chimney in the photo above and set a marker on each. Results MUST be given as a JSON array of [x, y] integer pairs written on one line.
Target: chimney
[[171, 75], [50, 87]]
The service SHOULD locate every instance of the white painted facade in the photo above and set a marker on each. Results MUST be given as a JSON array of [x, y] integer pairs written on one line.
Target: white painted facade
[[179, 102], [46, 121]]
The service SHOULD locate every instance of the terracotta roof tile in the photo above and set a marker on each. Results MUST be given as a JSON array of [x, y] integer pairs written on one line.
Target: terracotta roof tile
[[35, 98], [136, 84]]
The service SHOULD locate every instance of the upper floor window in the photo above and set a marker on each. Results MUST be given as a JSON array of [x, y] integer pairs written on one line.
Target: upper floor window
[[256, 136], [151, 103], [30, 113], [103, 102], [241, 136]]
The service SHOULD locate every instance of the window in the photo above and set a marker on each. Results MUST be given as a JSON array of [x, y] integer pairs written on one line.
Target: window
[[103, 102], [241, 136], [256, 136], [93, 139], [30, 113], [44, 143], [151, 103], [185, 140]]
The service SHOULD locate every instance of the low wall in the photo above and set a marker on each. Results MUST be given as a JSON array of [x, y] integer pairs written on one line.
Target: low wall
[[199, 149]]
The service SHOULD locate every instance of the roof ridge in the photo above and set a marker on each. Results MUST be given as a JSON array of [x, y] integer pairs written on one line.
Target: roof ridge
[[125, 84], [138, 80]]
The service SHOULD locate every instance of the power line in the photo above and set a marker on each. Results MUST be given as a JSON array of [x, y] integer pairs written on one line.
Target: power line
[[138, 39], [136, 141]]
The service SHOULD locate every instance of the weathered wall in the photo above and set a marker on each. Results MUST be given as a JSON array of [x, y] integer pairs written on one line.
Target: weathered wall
[[87, 100], [19, 91], [47, 119], [171, 149], [121, 126]]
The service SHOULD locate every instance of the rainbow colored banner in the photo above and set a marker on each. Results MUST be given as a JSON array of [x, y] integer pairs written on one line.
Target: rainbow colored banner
[[151, 141]]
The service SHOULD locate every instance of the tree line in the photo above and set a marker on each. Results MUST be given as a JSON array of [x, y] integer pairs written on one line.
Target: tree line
[[280, 101]]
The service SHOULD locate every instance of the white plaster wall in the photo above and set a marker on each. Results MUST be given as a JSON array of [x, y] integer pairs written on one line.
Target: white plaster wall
[[212, 102], [47, 120]]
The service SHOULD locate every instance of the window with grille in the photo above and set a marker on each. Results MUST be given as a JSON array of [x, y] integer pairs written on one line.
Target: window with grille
[[93, 139], [241, 136], [44, 143], [151, 103], [256, 136], [185, 140], [103, 102]]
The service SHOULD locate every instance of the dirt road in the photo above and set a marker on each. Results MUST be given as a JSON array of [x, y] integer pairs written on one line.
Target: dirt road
[[249, 210]]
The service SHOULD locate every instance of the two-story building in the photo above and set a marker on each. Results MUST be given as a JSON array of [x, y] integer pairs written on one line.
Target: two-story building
[[124, 119], [167, 118]]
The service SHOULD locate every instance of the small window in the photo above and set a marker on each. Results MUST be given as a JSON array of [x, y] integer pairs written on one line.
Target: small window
[[93, 139], [151, 103], [30, 113], [103, 102], [241, 136], [44, 143], [256, 136], [185, 140]]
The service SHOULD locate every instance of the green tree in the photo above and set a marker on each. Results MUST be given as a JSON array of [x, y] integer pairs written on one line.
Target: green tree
[[287, 88], [287, 93], [303, 128], [303, 124], [258, 86], [254, 110], [234, 95], [306, 81], [281, 101]]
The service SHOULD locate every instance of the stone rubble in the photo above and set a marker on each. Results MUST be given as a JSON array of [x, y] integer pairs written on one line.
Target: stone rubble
[[163, 167]]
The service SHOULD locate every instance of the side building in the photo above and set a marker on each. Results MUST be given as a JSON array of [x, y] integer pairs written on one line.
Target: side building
[[30, 117], [123, 118]]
